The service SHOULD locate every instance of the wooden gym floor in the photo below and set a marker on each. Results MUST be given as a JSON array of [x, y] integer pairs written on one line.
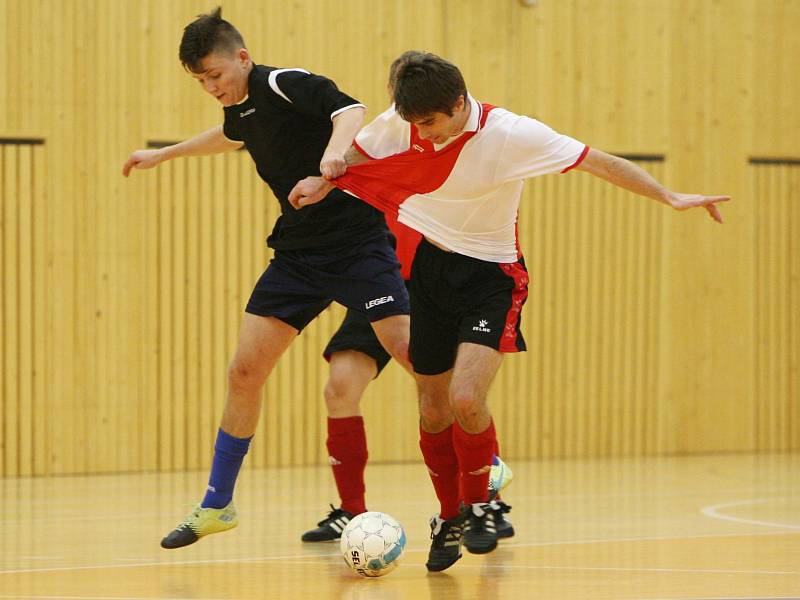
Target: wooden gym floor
[[697, 527]]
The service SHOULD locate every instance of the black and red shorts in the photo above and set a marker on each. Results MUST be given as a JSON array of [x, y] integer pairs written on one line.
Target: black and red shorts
[[457, 298]]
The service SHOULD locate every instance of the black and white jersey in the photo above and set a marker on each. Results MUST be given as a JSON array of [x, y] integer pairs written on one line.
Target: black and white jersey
[[285, 122]]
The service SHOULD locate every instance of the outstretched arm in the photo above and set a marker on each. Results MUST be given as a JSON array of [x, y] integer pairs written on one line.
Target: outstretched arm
[[625, 174], [212, 141], [345, 126]]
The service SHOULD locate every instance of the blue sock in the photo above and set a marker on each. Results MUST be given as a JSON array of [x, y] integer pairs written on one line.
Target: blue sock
[[229, 453]]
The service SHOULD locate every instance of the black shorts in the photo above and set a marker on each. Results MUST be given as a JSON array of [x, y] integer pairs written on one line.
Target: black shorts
[[355, 333], [299, 284], [455, 299]]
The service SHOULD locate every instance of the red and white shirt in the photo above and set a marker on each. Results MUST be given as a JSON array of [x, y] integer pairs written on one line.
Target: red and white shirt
[[464, 194], [388, 134]]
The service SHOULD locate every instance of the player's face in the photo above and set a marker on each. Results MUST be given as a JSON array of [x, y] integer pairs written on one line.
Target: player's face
[[439, 127], [224, 76]]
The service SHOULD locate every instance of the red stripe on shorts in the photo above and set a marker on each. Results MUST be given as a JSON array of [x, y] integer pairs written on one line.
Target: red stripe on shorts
[[508, 341]]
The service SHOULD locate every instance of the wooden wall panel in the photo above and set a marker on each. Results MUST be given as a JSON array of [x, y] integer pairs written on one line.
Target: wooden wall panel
[[776, 188], [595, 257], [774, 88], [706, 389], [23, 310], [128, 382]]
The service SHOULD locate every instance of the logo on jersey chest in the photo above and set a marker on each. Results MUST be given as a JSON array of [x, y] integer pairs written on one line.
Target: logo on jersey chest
[[247, 112]]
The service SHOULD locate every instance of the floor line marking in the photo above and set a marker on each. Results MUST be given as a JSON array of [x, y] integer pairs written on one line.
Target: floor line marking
[[727, 598], [638, 569], [713, 512], [306, 557], [18, 597]]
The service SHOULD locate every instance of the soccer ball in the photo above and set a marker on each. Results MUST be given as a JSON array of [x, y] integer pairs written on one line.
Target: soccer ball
[[372, 543]]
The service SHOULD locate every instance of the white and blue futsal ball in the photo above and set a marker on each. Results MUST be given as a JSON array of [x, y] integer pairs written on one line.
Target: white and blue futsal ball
[[372, 544]]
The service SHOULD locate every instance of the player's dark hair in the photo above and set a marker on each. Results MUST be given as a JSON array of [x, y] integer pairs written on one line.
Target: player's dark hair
[[401, 61], [427, 84], [206, 34]]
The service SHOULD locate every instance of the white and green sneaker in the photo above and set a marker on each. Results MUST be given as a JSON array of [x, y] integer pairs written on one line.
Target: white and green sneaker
[[499, 477], [201, 522]]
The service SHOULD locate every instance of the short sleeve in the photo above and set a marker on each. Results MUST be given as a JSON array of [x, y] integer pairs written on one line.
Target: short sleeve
[[310, 94], [386, 135], [532, 149]]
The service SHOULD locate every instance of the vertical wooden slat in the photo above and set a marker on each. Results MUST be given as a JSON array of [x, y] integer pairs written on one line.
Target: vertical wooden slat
[[759, 290], [5, 286], [150, 341], [208, 281], [11, 330], [781, 307], [793, 412], [25, 250], [178, 317], [192, 193], [42, 382], [167, 344], [222, 302], [231, 311]]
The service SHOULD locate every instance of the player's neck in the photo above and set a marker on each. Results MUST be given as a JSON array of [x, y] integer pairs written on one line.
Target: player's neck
[[464, 119]]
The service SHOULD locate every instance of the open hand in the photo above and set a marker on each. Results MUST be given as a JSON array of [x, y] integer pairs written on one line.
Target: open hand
[[687, 201]]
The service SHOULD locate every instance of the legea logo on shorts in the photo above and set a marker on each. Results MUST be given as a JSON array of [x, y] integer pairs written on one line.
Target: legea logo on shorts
[[482, 326], [377, 301]]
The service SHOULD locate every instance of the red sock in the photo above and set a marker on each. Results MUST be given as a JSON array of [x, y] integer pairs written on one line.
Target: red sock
[[475, 461], [442, 462], [347, 450]]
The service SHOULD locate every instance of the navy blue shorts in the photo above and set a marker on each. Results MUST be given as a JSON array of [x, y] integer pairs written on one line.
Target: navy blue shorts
[[356, 333], [300, 284]]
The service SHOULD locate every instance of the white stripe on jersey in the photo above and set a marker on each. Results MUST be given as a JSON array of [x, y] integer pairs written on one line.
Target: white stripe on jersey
[[273, 81], [341, 110]]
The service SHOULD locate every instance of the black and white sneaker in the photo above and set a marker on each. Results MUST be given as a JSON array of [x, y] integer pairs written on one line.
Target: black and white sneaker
[[446, 537], [330, 528], [505, 529], [480, 535]]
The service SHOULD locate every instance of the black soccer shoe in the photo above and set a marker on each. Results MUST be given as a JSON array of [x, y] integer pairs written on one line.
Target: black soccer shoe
[[480, 536], [505, 529], [330, 528], [446, 538]]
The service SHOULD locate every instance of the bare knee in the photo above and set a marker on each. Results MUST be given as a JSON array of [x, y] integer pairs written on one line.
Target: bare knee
[[393, 333], [244, 377], [341, 399], [469, 408], [350, 374], [434, 413]]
